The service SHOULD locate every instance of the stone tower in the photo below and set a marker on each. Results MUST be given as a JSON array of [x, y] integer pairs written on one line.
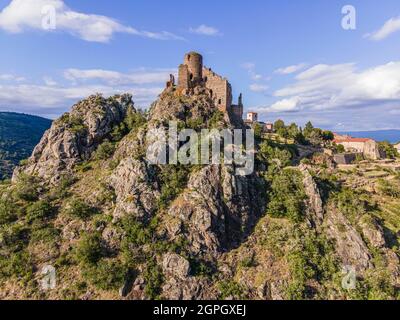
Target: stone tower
[[194, 61], [191, 71]]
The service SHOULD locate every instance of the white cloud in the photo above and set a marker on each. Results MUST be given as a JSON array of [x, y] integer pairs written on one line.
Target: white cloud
[[256, 87], [55, 97], [49, 81], [118, 78], [391, 26], [286, 105], [337, 87], [250, 67], [28, 97], [22, 15], [205, 30], [11, 77], [291, 69]]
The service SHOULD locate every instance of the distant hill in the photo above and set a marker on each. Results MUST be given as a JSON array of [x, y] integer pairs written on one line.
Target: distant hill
[[393, 136], [19, 134]]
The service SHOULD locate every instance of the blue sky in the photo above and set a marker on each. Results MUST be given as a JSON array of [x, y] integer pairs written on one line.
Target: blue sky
[[291, 58]]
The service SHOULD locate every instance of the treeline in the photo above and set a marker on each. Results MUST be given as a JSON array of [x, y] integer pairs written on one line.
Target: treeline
[[307, 135]]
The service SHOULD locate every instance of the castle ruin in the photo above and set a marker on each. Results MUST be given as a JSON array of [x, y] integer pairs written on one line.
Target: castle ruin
[[192, 74]]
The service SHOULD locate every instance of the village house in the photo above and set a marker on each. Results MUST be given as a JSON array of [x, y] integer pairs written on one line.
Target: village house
[[397, 146], [369, 148], [252, 118]]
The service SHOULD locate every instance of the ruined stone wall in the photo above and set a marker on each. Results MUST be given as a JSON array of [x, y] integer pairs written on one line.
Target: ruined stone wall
[[353, 146], [345, 158], [237, 111], [221, 89], [370, 148], [183, 77]]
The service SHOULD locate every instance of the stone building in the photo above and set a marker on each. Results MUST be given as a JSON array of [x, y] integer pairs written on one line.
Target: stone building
[[252, 116], [192, 73], [397, 146], [345, 158], [252, 119], [368, 147]]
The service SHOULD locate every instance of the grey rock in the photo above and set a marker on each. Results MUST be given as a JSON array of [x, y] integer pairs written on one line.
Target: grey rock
[[315, 205], [75, 136], [349, 246], [175, 265], [372, 231], [136, 193]]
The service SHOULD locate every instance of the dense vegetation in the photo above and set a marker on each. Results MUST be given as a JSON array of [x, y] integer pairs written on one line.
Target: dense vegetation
[[19, 134]]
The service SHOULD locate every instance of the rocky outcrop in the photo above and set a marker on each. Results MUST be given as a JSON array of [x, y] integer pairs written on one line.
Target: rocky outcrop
[[216, 211], [349, 246], [73, 137], [372, 231], [175, 265], [135, 188], [315, 207]]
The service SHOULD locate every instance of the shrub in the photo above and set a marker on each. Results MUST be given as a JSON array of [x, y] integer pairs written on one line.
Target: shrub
[[79, 209], [14, 237], [352, 204], [389, 150], [27, 188], [18, 265], [287, 196], [7, 211], [248, 262], [231, 289], [39, 211], [136, 233], [275, 156], [61, 190], [46, 234], [194, 123], [134, 120], [310, 259], [105, 150], [105, 274], [154, 279], [216, 120], [201, 268], [173, 181], [89, 249], [76, 125], [389, 188]]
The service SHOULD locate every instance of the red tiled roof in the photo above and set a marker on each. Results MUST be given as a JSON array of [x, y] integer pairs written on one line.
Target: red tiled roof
[[352, 140]]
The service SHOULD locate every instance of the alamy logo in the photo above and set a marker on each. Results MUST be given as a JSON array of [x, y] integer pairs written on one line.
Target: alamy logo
[[48, 280], [188, 147], [49, 19], [349, 281], [349, 20]]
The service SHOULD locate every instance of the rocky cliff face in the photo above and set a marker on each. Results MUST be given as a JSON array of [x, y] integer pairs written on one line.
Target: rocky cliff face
[[73, 137], [115, 226]]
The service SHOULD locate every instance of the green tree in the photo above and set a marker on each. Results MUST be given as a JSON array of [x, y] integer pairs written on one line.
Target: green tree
[[389, 150], [89, 250], [79, 209], [287, 196], [308, 129], [279, 124]]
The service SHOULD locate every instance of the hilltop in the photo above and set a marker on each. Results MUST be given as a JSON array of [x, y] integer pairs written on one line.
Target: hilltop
[[19, 133], [114, 225]]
